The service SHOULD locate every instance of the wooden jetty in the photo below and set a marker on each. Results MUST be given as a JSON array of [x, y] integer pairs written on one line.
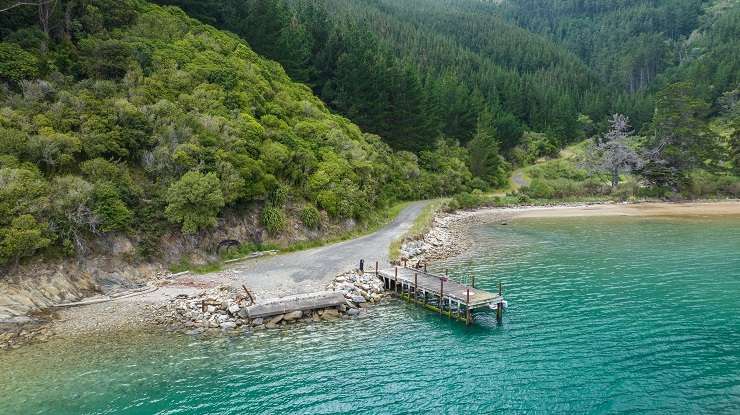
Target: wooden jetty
[[440, 293]]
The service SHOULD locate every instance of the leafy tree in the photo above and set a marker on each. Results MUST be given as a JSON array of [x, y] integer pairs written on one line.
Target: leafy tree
[[485, 161], [194, 201], [22, 238], [109, 208], [681, 139], [16, 64], [105, 59], [22, 191]]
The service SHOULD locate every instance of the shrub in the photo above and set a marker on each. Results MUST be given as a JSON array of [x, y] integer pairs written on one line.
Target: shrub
[[465, 200], [278, 196], [329, 201], [16, 64], [22, 238], [310, 217], [273, 220], [539, 189], [194, 201], [705, 184], [109, 208]]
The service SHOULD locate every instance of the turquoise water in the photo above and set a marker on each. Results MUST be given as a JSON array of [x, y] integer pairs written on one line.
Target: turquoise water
[[617, 315]]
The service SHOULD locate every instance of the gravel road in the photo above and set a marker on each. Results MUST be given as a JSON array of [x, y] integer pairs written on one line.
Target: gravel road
[[310, 270]]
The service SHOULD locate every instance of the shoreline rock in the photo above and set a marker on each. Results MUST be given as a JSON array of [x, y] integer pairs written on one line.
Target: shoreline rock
[[223, 309]]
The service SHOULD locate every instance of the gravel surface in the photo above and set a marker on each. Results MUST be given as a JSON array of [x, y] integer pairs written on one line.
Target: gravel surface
[[312, 269], [267, 277]]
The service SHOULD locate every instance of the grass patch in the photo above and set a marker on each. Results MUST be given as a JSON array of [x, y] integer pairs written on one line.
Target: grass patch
[[421, 225]]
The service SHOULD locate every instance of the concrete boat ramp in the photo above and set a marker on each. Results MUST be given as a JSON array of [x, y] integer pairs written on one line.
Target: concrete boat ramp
[[300, 302]]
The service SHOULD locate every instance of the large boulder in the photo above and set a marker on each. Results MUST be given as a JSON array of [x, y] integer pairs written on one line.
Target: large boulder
[[293, 315], [229, 325], [358, 299], [330, 314]]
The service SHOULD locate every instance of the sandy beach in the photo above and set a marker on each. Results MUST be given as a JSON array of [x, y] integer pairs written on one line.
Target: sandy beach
[[449, 234]]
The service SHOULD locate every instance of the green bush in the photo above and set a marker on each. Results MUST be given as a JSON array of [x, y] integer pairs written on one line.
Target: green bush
[[109, 208], [539, 189], [23, 237], [557, 169], [194, 201], [278, 196], [310, 217], [705, 184], [16, 64], [273, 219]]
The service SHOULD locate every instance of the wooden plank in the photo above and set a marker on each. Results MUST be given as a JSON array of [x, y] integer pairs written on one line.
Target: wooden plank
[[452, 289]]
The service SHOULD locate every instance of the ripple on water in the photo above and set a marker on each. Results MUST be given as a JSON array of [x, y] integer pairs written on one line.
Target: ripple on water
[[606, 315]]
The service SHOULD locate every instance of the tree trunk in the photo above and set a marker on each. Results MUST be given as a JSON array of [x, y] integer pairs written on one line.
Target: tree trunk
[[615, 178], [46, 9]]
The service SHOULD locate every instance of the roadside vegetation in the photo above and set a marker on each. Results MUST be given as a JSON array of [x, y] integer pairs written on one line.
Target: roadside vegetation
[[419, 227], [123, 118], [133, 119]]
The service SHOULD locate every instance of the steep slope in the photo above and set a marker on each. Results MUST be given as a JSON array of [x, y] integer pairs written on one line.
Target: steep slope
[[121, 117], [414, 70], [638, 47]]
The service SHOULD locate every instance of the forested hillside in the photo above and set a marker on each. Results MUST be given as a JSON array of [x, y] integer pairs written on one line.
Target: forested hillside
[[125, 117], [415, 70], [640, 46]]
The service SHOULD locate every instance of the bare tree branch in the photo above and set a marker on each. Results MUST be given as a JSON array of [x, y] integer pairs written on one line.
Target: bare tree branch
[[14, 4]]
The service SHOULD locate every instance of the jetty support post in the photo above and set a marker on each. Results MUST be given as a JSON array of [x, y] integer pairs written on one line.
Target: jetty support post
[[472, 284], [500, 305], [467, 308], [416, 289], [441, 294], [376, 268]]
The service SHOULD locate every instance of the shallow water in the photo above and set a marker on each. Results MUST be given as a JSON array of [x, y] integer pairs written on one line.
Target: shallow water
[[606, 315]]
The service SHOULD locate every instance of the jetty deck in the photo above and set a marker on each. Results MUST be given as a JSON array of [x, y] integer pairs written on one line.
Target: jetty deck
[[440, 293]]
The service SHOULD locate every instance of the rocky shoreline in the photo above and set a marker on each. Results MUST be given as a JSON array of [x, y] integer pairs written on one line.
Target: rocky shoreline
[[224, 309], [216, 311], [449, 234], [181, 309]]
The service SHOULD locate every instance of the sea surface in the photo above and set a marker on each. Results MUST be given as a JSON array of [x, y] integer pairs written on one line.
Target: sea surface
[[606, 315]]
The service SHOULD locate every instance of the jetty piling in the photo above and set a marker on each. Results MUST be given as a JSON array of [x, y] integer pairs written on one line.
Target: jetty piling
[[441, 294]]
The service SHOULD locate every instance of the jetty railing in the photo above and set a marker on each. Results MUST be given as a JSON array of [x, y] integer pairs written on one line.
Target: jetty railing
[[439, 293]]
